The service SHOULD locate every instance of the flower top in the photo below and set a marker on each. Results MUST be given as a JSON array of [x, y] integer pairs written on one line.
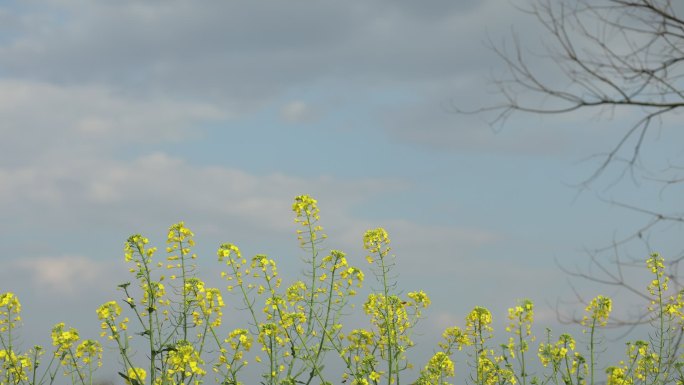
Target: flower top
[[63, 339], [599, 310], [376, 241], [306, 206]]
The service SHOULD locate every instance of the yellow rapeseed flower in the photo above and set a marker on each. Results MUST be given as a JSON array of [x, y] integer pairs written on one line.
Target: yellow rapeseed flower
[[376, 241], [14, 367], [185, 359], [63, 339], [618, 376], [108, 310], [305, 206], [138, 375], [420, 299], [10, 309], [478, 320], [89, 350], [598, 311]]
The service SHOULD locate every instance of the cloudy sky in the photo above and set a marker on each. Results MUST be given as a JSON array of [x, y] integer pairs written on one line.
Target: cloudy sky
[[125, 117]]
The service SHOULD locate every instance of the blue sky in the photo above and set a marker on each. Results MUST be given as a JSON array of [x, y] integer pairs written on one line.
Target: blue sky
[[126, 117]]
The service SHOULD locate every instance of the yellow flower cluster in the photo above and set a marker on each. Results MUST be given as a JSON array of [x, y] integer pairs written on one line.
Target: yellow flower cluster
[[135, 244], [89, 351], [240, 341], [230, 253], [360, 343], [225, 251], [295, 294], [659, 285], [392, 318], [438, 368], [490, 372], [212, 305], [389, 315], [108, 310], [478, 324], [618, 376], [376, 241], [178, 233], [360, 381], [598, 311], [554, 354], [307, 215], [63, 339], [240, 338], [353, 274], [267, 266], [108, 313], [293, 319], [136, 376], [207, 303], [656, 264], [135, 251], [454, 336], [645, 362], [10, 310], [673, 308], [521, 318], [336, 266], [179, 240], [359, 355], [305, 206], [184, 359], [153, 295], [418, 299], [375, 376], [271, 337], [14, 367]]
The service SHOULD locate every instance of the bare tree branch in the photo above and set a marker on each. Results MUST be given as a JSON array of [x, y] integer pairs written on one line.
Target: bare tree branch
[[605, 55]]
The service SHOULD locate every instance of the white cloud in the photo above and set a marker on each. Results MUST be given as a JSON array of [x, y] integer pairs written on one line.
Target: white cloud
[[162, 190], [443, 320], [64, 275], [297, 111], [40, 119]]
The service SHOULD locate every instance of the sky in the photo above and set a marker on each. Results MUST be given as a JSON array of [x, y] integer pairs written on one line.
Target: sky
[[126, 117]]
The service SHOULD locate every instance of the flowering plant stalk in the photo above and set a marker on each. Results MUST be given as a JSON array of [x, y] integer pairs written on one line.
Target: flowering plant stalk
[[521, 318], [392, 320]]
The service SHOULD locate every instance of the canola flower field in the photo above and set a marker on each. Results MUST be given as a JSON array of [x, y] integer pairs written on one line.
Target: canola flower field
[[295, 329]]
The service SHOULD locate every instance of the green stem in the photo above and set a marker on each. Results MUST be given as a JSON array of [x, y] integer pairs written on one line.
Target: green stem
[[185, 306], [523, 372], [479, 348], [150, 308], [76, 368], [45, 373], [245, 297], [325, 323], [568, 367], [314, 254], [591, 351], [661, 334], [388, 324]]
